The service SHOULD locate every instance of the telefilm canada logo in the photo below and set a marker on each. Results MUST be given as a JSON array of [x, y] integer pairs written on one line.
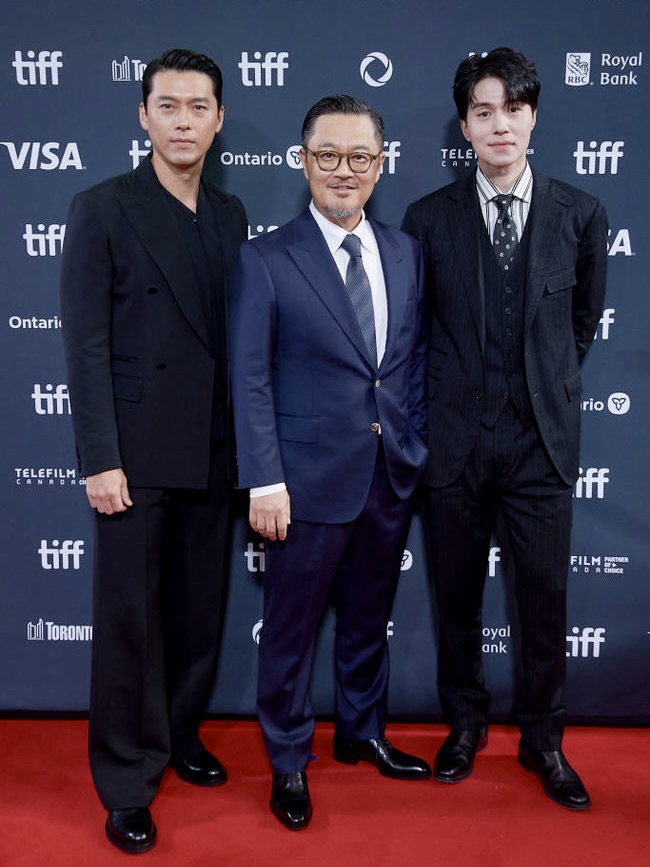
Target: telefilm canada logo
[[48, 477], [48, 630], [598, 564], [616, 70]]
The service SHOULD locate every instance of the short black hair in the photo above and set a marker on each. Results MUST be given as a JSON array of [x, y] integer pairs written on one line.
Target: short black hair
[[340, 104], [184, 61], [515, 70]]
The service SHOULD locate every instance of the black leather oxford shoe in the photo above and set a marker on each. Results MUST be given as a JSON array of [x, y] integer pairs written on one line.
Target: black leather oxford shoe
[[389, 761], [201, 769], [558, 779], [455, 759], [290, 801], [131, 830]]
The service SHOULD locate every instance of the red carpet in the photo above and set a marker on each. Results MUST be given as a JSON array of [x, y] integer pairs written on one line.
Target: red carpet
[[499, 817]]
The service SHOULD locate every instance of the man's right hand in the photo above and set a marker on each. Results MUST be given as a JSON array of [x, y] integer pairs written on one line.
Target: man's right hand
[[108, 492], [270, 515]]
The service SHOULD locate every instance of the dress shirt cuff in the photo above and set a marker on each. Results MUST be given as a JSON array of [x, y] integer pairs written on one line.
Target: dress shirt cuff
[[267, 489]]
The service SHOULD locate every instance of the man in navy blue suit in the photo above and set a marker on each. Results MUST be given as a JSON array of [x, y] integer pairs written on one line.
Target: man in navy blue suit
[[516, 267], [328, 351]]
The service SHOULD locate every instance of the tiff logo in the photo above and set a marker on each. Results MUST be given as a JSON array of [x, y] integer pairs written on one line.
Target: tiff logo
[[604, 322], [121, 69], [585, 642], [494, 557], [46, 241], [255, 560], [137, 153], [274, 62], [392, 153], [49, 62], [597, 160], [53, 401], [590, 480], [61, 555]]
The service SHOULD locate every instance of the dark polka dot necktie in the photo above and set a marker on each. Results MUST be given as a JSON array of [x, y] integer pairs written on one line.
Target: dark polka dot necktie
[[504, 238]]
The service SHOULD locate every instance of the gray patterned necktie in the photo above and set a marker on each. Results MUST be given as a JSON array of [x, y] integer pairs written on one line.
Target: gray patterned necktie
[[358, 286], [504, 238]]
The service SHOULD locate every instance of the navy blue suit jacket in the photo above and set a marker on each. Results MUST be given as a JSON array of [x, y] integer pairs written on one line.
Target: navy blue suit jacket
[[565, 286], [305, 395]]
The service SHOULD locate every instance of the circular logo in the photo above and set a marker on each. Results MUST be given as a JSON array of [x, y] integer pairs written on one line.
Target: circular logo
[[376, 57], [293, 157], [618, 403], [256, 631], [407, 560]]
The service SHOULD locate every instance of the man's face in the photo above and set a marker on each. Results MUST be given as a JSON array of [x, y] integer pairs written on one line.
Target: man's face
[[341, 194], [499, 133], [181, 117]]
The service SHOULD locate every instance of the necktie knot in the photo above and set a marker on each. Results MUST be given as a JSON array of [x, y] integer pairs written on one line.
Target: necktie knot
[[352, 245]]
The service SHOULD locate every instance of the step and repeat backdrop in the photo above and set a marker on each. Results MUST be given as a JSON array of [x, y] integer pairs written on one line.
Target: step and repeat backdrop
[[70, 75]]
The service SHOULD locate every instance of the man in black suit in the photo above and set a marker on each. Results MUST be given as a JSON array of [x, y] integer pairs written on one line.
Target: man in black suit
[[516, 268], [145, 276]]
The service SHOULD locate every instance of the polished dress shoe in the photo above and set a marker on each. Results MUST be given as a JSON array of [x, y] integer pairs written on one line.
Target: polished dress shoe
[[559, 780], [290, 801], [131, 830], [389, 761], [201, 769], [455, 759]]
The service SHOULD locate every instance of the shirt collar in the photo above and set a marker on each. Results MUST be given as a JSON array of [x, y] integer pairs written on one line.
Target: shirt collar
[[335, 235], [521, 189]]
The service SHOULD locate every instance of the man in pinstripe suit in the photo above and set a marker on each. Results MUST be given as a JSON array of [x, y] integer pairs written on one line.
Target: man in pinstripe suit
[[516, 268]]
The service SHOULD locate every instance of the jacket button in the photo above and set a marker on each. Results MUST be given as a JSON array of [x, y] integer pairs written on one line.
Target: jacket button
[[152, 290], [377, 383], [375, 427], [479, 396], [161, 365]]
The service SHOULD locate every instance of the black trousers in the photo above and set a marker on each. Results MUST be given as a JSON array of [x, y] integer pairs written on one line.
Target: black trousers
[[158, 590], [508, 469], [359, 564]]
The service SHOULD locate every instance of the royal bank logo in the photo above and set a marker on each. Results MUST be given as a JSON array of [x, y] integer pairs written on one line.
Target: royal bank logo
[[54, 400], [48, 630], [376, 69], [578, 67], [127, 69], [46, 156], [598, 564], [61, 555], [268, 72], [598, 158], [497, 640], [38, 70], [44, 240], [585, 642], [618, 403]]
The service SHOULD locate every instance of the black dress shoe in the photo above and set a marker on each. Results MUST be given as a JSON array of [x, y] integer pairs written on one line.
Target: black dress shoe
[[389, 761], [290, 801], [201, 769], [455, 759], [131, 830], [559, 780]]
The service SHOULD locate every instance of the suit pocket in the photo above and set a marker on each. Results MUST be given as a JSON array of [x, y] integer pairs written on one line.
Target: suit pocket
[[573, 386], [564, 279], [297, 428], [127, 379]]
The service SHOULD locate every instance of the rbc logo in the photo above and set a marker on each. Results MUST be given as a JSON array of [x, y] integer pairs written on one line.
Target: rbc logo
[[376, 58], [601, 159], [49, 62], [43, 156], [577, 69], [53, 401], [274, 62], [61, 555], [46, 241]]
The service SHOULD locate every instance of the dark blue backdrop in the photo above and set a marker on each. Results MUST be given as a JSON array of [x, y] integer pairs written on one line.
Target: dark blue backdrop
[[69, 73]]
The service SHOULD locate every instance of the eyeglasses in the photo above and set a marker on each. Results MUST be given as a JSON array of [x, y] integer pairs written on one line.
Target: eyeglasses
[[329, 161]]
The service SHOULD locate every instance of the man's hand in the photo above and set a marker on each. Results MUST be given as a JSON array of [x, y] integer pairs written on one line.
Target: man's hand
[[108, 492], [270, 515]]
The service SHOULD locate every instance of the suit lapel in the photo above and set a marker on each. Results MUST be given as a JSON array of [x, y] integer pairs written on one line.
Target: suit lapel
[[464, 225], [311, 254], [396, 278], [150, 214]]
